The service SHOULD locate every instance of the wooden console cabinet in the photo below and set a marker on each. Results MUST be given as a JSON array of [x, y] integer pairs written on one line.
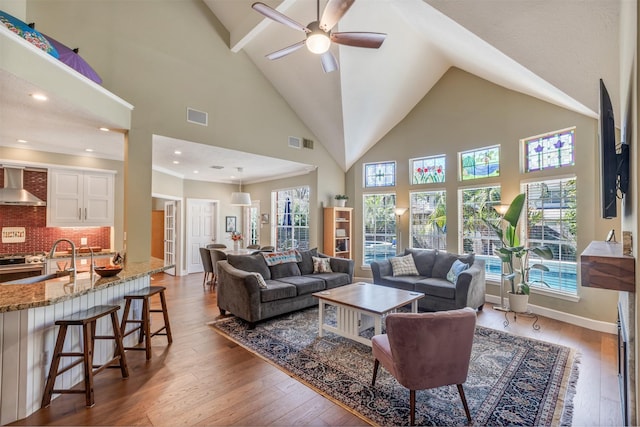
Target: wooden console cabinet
[[602, 265], [337, 232]]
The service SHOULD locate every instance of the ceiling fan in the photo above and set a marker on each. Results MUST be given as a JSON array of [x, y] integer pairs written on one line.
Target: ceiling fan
[[319, 34]]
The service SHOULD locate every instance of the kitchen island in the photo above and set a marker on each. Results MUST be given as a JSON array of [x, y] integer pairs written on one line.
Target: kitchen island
[[27, 316]]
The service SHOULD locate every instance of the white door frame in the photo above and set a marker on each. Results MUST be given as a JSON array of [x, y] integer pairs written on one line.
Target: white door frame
[[214, 227], [179, 270]]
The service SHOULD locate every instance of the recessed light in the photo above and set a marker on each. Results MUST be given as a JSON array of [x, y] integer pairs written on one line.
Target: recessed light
[[104, 129], [178, 152], [175, 162], [22, 141], [89, 150], [195, 172], [39, 96]]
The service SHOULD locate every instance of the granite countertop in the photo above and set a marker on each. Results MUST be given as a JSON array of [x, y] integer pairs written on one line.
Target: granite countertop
[[67, 254], [49, 292]]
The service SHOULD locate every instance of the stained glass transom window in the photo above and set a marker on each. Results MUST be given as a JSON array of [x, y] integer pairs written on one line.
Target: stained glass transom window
[[481, 163], [380, 174], [427, 170], [549, 151]]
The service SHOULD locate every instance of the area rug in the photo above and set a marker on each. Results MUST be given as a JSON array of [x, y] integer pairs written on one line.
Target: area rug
[[512, 380]]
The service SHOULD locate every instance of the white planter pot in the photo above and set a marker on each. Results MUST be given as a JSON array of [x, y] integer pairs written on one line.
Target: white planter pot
[[518, 303], [340, 203]]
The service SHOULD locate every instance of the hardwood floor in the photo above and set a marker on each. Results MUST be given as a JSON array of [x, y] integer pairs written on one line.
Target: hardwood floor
[[204, 379]]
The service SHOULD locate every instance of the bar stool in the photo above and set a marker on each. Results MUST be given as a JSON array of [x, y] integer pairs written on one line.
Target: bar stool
[[144, 324], [87, 319]]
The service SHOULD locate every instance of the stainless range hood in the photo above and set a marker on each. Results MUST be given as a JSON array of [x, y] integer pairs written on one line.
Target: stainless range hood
[[13, 192]]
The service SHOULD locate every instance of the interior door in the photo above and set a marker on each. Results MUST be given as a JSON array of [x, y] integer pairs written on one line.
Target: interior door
[[170, 236], [201, 225]]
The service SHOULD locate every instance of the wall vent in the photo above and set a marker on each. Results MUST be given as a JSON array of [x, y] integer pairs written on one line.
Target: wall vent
[[307, 143], [295, 142], [197, 117]]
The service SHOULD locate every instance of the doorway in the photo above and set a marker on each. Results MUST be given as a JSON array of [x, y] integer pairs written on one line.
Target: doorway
[[202, 218]]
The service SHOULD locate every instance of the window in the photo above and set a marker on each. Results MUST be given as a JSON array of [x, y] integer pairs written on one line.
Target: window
[[427, 170], [551, 221], [292, 218], [481, 163], [251, 223], [476, 205], [379, 227], [551, 150], [380, 174], [428, 220]]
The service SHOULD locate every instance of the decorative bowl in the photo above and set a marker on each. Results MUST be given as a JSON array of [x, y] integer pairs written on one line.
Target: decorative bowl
[[108, 271]]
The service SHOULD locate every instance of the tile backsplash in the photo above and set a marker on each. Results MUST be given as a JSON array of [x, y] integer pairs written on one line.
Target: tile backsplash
[[39, 237]]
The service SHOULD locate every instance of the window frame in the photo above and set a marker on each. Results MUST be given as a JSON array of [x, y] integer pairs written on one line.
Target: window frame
[[412, 225], [461, 166], [413, 169], [524, 142], [278, 208], [386, 251], [365, 166]]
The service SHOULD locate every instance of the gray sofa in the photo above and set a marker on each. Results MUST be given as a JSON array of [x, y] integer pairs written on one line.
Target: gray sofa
[[440, 294], [288, 286]]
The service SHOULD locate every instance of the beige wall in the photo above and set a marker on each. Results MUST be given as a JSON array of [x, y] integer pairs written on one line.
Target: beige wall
[[162, 57], [464, 112]]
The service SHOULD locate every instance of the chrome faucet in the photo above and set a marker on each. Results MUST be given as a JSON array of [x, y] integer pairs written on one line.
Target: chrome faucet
[[72, 270]]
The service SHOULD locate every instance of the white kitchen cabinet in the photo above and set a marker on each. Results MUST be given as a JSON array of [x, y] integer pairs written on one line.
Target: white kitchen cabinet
[[80, 198]]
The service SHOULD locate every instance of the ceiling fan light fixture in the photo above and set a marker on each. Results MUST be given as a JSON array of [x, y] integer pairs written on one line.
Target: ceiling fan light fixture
[[317, 40]]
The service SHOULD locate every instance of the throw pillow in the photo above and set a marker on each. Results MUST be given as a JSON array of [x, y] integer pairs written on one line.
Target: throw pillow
[[275, 258], [404, 266], [456, 268], [261, 283], [321, 265]]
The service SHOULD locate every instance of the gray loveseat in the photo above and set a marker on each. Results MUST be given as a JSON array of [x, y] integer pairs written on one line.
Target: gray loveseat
[[288, 286], [440, 294]]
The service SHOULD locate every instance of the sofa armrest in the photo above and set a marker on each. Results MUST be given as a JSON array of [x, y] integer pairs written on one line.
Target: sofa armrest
[[238, 292], [471, 286], [342, 265], [380, 269]]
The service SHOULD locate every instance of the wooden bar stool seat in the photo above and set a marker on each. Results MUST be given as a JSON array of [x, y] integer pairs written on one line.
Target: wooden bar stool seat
[[144, 323], [87, 319]]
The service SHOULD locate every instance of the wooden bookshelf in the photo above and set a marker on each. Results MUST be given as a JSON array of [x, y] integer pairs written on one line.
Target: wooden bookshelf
[[337, 232]]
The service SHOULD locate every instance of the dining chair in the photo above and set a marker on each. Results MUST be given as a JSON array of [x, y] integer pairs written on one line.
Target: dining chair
[[215, 256], [426, 350], [216, 246], [208, 267], [253, 246]]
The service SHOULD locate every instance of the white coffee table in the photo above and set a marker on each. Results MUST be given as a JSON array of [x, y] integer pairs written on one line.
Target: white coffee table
[[354, 301]]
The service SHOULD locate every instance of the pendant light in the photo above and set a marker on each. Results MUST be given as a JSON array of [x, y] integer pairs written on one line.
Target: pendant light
[[239, 198]]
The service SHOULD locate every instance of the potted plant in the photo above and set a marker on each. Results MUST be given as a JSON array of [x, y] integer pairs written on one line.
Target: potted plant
[[341, 200], [515, 257]]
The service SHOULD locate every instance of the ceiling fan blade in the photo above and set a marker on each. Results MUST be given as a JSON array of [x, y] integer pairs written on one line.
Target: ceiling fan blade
[[359, 39], [333, 11], [286, 51], [273, 14], [329, 62]]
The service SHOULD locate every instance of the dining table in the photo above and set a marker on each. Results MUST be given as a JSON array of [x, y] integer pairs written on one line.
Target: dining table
[[240, 251]]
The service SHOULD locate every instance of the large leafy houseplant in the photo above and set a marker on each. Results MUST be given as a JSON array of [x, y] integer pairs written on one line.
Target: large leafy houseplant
[[514, 256]]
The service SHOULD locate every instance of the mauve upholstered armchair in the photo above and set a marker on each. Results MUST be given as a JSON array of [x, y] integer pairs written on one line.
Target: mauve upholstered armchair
[[426, 350]]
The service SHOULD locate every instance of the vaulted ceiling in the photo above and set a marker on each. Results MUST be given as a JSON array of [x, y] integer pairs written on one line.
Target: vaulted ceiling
[[552, 50]]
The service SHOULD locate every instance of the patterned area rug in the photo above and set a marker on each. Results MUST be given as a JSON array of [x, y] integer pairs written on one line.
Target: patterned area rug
[[512, 380]]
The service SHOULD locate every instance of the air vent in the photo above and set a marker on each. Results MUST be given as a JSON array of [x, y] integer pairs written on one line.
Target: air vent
[[197, 117], [216, 167], [295, 142], [307, 143]]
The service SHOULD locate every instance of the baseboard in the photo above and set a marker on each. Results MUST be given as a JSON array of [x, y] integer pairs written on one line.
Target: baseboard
[[596, 325], [584, 322]]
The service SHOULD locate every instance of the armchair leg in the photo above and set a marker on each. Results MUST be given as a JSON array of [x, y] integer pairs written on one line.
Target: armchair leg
[[412, 406], [464, 402], [376, 365]]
